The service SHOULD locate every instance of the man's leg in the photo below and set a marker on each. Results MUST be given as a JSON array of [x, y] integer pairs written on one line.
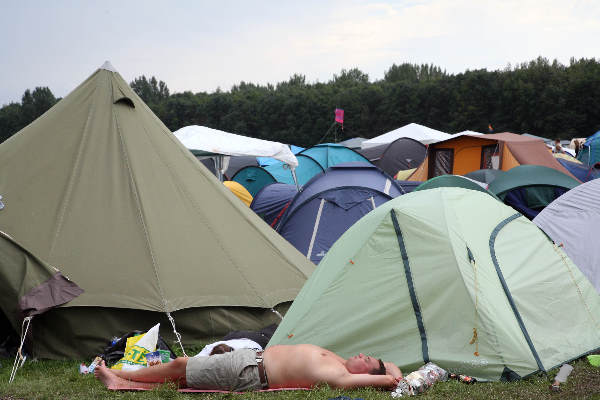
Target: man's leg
[[173, 371], [112, 381]]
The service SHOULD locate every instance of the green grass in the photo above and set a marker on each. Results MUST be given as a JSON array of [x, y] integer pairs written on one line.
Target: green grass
[[61, 380]]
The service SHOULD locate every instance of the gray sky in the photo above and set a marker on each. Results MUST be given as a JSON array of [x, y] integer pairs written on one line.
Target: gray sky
[[201, 45]]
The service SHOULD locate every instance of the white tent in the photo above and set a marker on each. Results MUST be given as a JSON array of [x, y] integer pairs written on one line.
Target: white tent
[[571, 222], [214, 141], [414, 131]]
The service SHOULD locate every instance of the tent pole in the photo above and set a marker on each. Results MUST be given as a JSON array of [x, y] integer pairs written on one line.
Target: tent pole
[[295, 179]]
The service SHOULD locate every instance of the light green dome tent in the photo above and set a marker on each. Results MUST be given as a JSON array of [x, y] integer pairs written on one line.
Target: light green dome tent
[[100, 188], [452, 276]]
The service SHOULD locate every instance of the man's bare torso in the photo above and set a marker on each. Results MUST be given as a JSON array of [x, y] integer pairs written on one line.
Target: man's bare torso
[[303, 365]]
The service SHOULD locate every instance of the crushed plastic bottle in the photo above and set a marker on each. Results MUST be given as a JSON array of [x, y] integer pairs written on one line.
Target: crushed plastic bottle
[[420, 380]]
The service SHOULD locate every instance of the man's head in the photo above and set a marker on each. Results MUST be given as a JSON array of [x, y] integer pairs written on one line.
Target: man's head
[[362, 364], [221, 349]]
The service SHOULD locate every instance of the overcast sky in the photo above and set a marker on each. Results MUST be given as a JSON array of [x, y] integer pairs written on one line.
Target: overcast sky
[[201, 45]]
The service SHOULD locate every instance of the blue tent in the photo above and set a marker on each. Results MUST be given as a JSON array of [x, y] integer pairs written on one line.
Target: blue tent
[[331, 202], [590, 152], [330, 154], [270, 202], [307, 168], [583, 172], [253, 178]]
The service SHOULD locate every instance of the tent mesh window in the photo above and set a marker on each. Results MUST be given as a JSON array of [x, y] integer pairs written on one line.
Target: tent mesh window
[[442, 159]]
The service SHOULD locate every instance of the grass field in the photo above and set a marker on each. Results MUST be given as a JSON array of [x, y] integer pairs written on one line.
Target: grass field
[[61, 380]]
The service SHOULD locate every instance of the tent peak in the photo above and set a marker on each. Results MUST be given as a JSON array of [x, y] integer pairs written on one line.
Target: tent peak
[[108, 66]]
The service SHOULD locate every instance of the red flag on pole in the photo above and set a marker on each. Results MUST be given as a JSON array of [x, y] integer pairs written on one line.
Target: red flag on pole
[[339, 116]]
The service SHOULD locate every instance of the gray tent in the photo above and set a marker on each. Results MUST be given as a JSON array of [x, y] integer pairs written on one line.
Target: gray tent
[[571, 221], [100, 188]]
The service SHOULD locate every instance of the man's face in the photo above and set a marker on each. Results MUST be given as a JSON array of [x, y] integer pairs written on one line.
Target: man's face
[[361, 364]]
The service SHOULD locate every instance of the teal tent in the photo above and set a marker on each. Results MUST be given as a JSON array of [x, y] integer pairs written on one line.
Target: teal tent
[[330, 154], [307, 168], [590, 152], [451, 276], [453, 181], [253, 178], [530, 188]]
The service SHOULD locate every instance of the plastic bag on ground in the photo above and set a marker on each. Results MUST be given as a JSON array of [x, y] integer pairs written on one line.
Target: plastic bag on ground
[[135, 356]]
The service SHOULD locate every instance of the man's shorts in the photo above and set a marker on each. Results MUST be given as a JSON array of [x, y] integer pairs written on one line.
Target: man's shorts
[[235, 371]]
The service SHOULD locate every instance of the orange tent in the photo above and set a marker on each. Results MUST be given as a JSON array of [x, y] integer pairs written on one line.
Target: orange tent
[[466, 153]]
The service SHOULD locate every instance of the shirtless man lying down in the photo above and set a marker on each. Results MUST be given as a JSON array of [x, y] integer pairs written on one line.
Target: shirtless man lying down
[[281, 366]]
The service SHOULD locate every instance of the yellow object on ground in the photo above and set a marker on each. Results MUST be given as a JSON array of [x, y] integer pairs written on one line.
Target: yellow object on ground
[[241, 192]]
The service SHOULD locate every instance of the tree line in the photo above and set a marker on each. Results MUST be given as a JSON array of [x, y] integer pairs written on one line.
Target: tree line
[[539, 97]]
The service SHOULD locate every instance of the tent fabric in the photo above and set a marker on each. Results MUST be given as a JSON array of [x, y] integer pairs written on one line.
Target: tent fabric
[[307, 168], [590, 151], [570, 221], [352, 143], [264, 161], [399, 155], [485, 175], [530, 188], [239, 191], [414, 131], [467, 153], [330, 154], [108, 194], [453, 181], [29, 286], [331, 202], [411, 280], [253, 178], [579, 170], [270, 201], [236, 163], [196, 137]]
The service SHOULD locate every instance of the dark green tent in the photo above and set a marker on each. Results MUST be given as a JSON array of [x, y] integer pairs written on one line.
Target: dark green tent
[[100, 188]]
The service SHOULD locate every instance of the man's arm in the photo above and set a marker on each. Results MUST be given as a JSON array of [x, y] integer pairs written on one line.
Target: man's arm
[[392, 369], [350, 381]]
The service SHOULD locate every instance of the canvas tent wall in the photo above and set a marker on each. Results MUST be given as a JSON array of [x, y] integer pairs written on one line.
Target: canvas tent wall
[[399, 155], [29, 286], [108, 194], [530, 188], [414, 131], [570, 222], [331, 202], [466, 153], [413, 279]]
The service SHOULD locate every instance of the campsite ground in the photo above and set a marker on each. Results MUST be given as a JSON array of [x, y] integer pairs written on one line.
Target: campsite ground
[[61, 380]]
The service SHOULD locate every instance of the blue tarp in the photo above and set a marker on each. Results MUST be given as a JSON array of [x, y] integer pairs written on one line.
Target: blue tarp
[[331, 202], [271, 200]]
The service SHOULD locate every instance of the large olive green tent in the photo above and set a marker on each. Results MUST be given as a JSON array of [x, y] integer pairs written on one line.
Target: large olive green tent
[[453, 276], [100, 188]]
